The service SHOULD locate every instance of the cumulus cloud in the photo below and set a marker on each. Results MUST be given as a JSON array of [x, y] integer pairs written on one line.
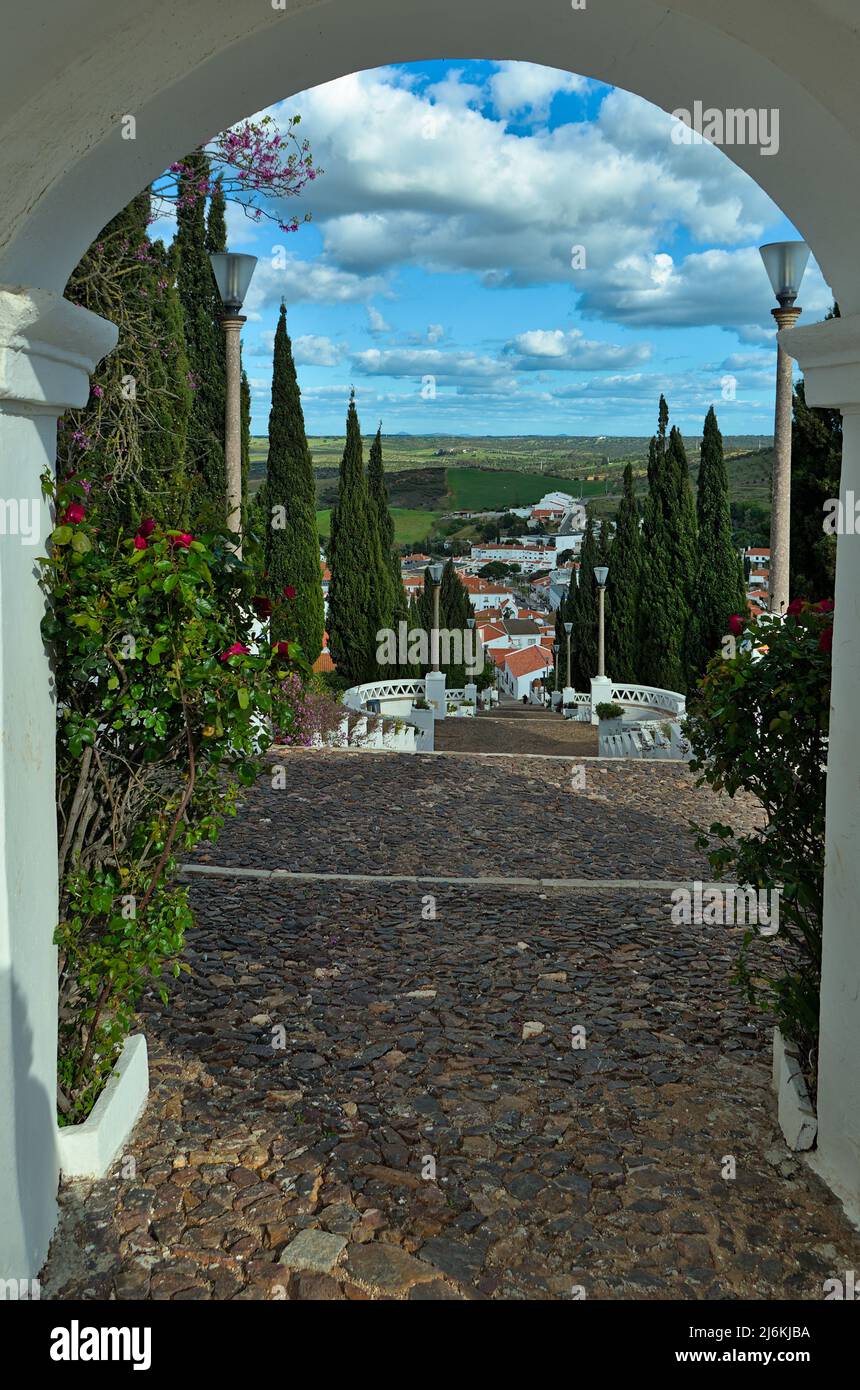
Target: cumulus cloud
[[315, 350], [525, 88], [557, 349], [615, 184], [315, 281], [376, 322], [420, 362]]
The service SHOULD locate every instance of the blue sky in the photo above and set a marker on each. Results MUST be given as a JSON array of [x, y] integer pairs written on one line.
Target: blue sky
[[442, 247]]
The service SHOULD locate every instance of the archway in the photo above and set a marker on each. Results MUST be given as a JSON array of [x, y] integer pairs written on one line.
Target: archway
[[66, 168]]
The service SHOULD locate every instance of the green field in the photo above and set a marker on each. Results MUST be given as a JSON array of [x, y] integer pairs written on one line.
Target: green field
[[492, 489], [410, 526]]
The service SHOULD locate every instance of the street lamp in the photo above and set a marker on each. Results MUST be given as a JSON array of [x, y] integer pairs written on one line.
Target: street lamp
[[568, 627], [785, 262], [601, 573], [555, 661], [436, 576], [233, 276]]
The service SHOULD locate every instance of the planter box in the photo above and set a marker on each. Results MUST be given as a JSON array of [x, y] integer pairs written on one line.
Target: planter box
[[87, 1150], [797, 1119]]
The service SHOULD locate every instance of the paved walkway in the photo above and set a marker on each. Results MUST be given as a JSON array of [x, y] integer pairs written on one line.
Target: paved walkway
[[512, 728], [364, 1091]]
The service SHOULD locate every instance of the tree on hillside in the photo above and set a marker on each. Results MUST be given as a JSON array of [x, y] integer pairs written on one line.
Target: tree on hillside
[[355, 561], [392, 599], [622, 589], [719, 587], [291, 540], [203, 344]]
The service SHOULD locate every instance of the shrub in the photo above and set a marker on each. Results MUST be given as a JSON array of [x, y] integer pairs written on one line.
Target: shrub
[[163, 710], [314, 713], [760, 724], [607, 709]]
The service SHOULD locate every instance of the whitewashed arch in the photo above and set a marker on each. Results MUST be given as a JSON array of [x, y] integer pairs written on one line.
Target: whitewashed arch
[[70, 70]]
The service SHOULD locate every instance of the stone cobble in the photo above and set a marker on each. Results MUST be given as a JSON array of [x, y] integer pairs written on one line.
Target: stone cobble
[[360, 1091], [475, 817]]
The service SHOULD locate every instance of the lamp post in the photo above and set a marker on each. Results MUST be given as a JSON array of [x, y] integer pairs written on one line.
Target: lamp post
[[568, 627], [233, 276], [601, 573], [436, 576], [785, 262], [555, 662]]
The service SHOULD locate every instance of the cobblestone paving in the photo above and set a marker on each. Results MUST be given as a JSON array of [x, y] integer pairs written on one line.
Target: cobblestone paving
[[418, 1044], [517, 729], [474, 817]]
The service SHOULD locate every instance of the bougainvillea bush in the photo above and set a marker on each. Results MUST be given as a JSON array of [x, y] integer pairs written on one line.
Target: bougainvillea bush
[[164, 708], [760, 724]]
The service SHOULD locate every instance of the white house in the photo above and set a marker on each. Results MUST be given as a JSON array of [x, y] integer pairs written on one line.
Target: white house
[[521, 668]]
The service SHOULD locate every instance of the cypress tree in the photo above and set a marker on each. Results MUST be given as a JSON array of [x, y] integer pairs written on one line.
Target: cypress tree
[[354, 561], [204, 345], [622, 588], [816, 466], [583, 614], [135, 439], [719, 581], [292, 543], [669, 550], [392, 600]]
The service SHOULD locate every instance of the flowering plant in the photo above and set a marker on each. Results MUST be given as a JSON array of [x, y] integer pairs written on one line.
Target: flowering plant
[[164, 709], [760, 723], [251, 159]]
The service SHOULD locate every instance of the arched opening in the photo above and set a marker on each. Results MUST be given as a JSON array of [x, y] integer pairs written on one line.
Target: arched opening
[[220, 73]]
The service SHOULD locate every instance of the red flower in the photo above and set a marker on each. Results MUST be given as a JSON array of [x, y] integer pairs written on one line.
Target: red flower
[[825, 641], [237, 649], [736, 624], [825, 606], [183, 540], [147, 527], [289, 591], [282, 649], [74, 513], [796, 606], [140, 543], [262, 606]]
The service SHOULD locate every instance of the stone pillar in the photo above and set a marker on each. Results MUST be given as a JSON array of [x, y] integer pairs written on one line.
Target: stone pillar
[[601, 694], [232, 324], [434, 690], [780, 511], [829, 354], [470, 693], [47, 350]]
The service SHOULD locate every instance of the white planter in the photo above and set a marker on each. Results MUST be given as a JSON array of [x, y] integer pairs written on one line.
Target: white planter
[[87, 1150], [797, 1119]]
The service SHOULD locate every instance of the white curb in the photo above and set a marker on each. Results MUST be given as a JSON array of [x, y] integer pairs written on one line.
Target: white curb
[[87, 1150]]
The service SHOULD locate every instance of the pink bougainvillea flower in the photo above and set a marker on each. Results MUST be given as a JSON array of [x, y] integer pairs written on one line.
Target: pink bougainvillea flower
[[140, 543], [183, 540], [262, 606], [289, 591], [736, 624], [825, 641], [796, 606], [74, 514], [237, 649], [147, 527], [282, 649]]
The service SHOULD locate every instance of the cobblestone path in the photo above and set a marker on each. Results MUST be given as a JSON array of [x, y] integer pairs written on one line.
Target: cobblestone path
[[513, 728], [428, 1130]]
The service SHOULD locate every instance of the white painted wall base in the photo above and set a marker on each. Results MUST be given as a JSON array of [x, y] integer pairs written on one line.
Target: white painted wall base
[[88, 1150], [796, 1115]]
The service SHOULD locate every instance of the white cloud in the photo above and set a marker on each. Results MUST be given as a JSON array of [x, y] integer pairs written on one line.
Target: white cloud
[[419, 362], [314, 281], [435, 332], [315, 350], [376, 321], [540, 349], [526, 87]]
